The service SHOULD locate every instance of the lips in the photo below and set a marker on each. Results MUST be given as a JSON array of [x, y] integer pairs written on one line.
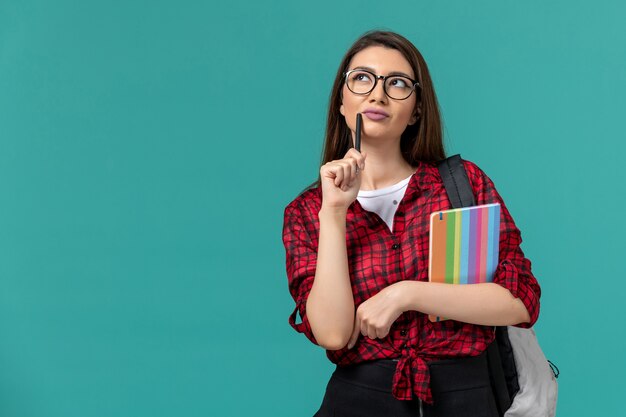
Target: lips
[[375, 114]]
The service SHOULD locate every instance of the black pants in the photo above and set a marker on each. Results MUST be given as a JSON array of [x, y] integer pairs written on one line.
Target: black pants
[[460, 387]]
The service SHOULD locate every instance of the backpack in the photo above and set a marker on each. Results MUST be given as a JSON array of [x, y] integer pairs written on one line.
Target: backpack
[[522, 379]]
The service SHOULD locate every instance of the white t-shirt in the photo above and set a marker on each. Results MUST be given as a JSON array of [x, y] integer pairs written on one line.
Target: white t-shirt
[[384, 201]]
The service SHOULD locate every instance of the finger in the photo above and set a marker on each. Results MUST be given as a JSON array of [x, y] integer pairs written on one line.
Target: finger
[[355, 333], [347, 174], [381, 333], [352, 167], [339, 174], [358, 156], [366, 330], [355, 169], [330, 173], [371, 331]]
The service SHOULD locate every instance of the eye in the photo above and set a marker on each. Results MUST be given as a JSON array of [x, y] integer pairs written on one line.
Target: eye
[[361, 77], [398, 82]]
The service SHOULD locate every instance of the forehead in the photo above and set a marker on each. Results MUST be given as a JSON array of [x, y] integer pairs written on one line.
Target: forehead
[[382, 60]]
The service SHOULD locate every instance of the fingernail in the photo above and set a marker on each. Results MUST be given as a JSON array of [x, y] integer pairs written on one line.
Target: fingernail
[[350, 345]]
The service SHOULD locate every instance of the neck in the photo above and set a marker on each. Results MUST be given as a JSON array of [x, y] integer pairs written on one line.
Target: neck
[[384, 166]]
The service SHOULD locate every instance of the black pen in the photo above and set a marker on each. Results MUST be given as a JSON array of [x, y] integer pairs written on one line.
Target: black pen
[[357, 141]]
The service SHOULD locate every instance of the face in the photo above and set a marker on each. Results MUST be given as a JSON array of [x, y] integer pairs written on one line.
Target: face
[[376, 104]]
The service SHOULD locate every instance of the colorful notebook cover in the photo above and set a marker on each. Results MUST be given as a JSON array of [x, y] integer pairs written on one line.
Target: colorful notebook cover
[[464, 245]]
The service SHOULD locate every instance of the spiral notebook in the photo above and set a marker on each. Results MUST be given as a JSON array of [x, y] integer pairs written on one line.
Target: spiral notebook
[[464, 245]]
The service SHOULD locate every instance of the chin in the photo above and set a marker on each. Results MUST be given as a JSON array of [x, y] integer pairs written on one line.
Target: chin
[[384, 135]]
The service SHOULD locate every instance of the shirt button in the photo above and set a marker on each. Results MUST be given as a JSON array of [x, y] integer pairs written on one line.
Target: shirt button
[[403, 332], [395, 246]]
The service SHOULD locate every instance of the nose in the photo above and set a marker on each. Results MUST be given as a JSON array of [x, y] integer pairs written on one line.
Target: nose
[[378, 93]]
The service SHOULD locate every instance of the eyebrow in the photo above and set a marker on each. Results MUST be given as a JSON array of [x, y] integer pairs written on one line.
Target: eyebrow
[[391, 73]]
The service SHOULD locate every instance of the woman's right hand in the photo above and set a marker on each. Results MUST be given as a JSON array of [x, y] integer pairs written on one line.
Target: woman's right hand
[[341, 180]]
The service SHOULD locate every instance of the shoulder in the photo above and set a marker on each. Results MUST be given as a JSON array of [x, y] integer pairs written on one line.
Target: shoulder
[[301, 221], [307, 203], [475, 174], [483, 186], [428, 173], [472, 168]]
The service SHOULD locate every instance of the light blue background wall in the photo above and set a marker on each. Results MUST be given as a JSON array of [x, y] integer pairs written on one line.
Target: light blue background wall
[[147, 150]]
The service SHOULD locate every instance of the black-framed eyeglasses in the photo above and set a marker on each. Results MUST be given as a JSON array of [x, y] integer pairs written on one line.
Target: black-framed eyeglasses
[[397, 87]]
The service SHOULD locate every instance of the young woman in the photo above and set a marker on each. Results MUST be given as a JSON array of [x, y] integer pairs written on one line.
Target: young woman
[[357, 251]]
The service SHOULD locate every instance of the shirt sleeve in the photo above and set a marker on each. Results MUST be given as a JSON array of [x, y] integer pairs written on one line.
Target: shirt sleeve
[[514, 269], [301, 260]]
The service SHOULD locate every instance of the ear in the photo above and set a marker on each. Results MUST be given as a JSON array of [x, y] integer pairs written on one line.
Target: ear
[[415, 117], [341, 110]]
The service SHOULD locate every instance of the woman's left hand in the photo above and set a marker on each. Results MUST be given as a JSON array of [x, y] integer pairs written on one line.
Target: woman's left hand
[[375, 315]]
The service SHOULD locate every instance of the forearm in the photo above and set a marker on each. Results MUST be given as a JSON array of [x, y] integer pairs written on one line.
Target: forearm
[[330, 305], [486, 304]]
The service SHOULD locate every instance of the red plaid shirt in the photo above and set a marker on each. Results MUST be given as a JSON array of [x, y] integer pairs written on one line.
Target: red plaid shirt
[[378, 258]]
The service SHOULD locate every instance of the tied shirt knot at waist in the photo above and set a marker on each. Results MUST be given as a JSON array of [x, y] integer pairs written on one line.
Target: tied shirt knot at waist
[[412, 376], [415, 376]]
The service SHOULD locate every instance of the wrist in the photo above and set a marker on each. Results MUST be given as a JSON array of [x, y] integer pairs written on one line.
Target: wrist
[[332, 212], [409, 295]]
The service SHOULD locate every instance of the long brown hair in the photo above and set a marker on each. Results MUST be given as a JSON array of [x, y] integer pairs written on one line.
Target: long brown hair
[[422, 141]]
